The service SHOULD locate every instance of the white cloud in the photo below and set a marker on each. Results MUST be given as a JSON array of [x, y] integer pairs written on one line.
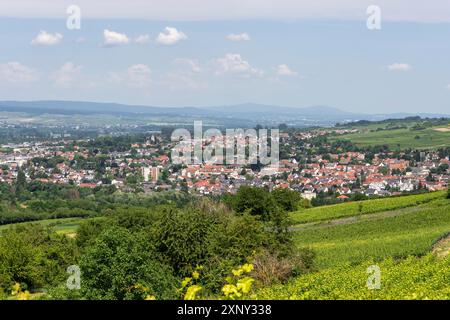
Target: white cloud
[[15, 72], [192, 65], [67, 75], [448, 87], [233, 63], [112, 38], [137, 75], [170, 37], [399, 67], [142, 39], [238, 37], [284, 70], [46, 39]]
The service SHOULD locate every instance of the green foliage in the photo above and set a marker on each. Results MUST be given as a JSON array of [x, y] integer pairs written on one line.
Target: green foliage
[[128, 251], [45, 201], [287, 199], [34, 256], [120, 264], [261, 203], [235, 241], [21, 183], [256, 201], [88, 231], [237, 238], [182, 237]]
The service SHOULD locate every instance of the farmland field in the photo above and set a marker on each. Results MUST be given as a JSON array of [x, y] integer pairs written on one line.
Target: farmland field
[[430, 138]]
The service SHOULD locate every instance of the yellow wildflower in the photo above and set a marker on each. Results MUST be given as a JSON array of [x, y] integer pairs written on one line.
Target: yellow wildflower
[[247, 267], [191, 292]]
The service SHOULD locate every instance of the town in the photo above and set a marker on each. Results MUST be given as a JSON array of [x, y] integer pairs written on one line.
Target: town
[[308, 164]]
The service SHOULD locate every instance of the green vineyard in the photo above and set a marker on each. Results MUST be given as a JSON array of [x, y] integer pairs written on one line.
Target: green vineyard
[[400, 237], [412, 278], [351, 209]]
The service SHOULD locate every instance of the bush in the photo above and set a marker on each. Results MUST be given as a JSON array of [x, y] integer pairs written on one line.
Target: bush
[[88, 231], [270, 268], [122, 265], [182, 236], [235, 241], [33, 256], [260, 202]]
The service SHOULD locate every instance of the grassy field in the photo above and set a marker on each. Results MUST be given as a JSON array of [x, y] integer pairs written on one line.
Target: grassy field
[[394, 233], [61, 226], [430, 138]]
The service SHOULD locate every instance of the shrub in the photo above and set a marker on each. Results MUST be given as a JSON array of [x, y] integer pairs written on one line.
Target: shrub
[[270, 268], [181, 236], [88, 231], [235, 241], [122, 265], [32, 256]]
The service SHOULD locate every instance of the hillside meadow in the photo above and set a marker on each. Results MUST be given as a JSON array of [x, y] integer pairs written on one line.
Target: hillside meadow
[[429, 138]]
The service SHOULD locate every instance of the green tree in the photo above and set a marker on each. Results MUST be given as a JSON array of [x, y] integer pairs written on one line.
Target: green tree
[[122, 265], [287, 199], [181, 236], [21, 183], [256, 201]]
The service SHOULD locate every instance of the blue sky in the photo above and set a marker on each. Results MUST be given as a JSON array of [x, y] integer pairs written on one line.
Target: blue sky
[[207, 57]]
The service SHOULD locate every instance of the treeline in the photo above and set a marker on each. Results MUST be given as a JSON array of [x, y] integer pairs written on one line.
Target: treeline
[[107, 144], [37, 201]]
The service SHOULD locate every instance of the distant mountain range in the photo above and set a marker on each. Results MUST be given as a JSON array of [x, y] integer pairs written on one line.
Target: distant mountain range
[[269, 114]]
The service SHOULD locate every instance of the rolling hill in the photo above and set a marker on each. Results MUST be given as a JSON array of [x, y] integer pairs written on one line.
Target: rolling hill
[[248, 114]]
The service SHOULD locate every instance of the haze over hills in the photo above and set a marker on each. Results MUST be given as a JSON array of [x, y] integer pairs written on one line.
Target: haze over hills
[[242, 113]]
